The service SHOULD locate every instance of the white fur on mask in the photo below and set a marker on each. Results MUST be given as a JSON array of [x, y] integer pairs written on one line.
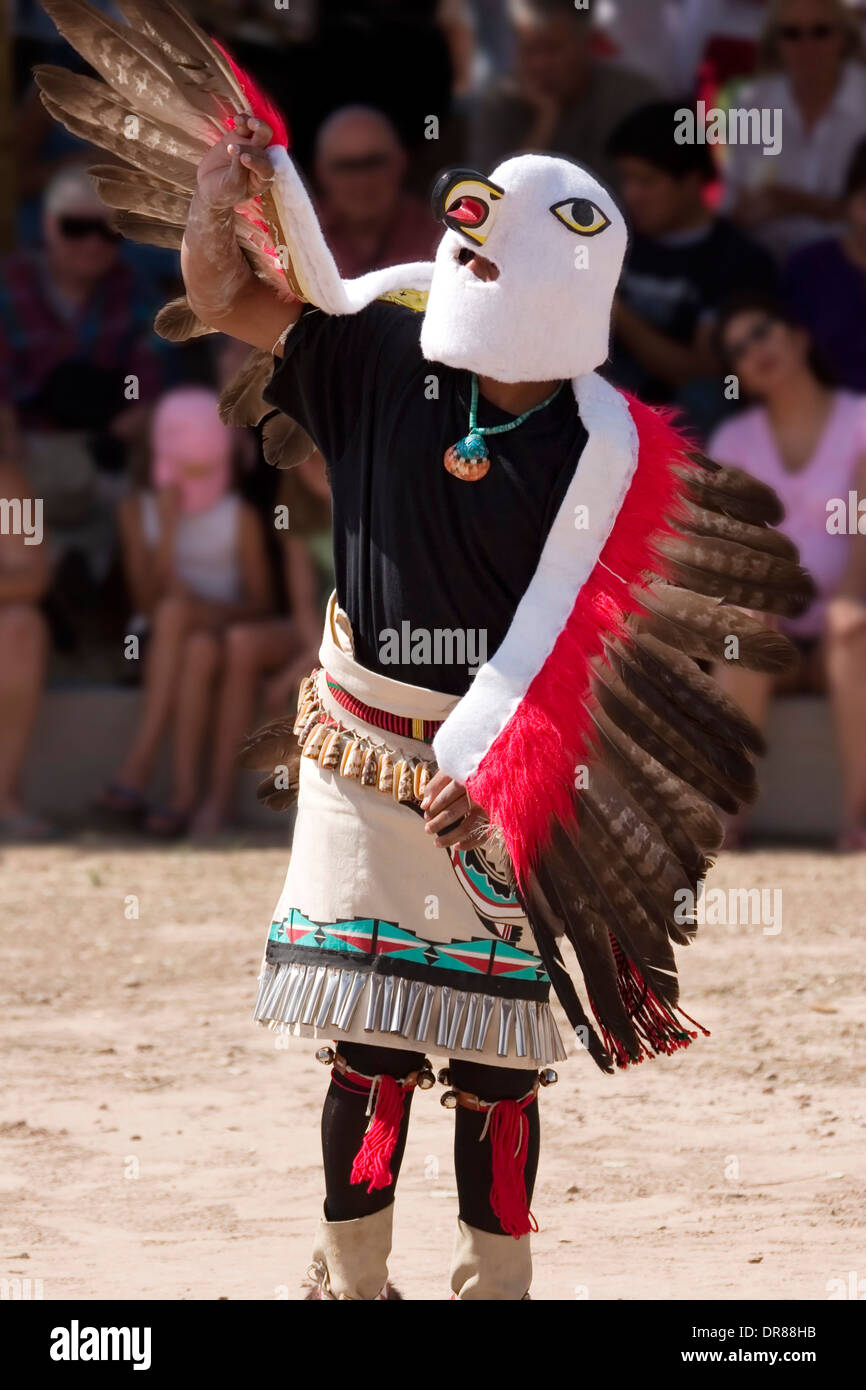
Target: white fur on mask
[[547, 315]]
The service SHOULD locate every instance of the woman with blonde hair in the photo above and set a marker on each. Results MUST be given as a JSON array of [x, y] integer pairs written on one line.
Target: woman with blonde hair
[[812, 72]]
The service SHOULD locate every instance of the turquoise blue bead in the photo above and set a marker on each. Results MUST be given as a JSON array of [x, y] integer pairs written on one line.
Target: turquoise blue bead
[[471, 447]]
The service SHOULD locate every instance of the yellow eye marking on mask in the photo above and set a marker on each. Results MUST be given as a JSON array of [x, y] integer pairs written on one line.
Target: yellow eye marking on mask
[[581, 215], [466, 202]]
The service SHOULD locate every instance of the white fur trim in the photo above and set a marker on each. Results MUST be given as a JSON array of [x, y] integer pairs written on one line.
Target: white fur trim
[[601, 480], [314, 265]]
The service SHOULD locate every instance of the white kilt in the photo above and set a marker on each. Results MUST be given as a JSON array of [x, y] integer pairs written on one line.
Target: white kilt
[[379, 936]]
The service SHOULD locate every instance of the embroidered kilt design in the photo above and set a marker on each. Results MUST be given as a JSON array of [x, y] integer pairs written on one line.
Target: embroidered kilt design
[[378, 935]]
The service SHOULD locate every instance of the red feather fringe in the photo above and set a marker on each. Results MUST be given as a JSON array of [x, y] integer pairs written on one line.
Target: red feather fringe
[[660, 1027], [259, 103], [527, 776]]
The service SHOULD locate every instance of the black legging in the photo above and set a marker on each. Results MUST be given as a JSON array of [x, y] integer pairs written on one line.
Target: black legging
[[344, 1121]]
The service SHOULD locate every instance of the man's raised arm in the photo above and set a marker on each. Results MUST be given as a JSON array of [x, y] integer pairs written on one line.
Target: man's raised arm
[[222, 289]]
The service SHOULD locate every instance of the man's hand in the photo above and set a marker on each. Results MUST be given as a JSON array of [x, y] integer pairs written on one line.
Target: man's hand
[[236, 168], [451, 814], [221, 286], [544, 109]]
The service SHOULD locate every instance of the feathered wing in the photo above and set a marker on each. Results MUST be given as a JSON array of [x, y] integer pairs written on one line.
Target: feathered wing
[[163, 94], [602, 751]]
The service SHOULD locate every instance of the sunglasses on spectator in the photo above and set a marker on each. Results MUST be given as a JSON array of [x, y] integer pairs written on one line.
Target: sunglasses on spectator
[[77, 228], [756, 334], [794, 33], [362, 164]]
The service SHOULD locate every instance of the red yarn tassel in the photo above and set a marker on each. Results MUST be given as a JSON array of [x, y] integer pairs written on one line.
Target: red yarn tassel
[[373, 1159], [509, 1140]]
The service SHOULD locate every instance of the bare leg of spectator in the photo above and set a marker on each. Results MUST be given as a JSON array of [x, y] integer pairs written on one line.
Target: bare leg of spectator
[[251, 651], [200, 662], [171, 623], [753, 692], [23, 654], [846, 682]]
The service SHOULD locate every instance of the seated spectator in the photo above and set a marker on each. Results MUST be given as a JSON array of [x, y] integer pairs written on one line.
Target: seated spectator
[[456, 21], [562, 97], [494, 39], [806, 439], [316, 54], [716, 41], [196, 567], [825, 286], [811, 69], [682, 263], [282, 649], [368, 219], [76, 367], [642, 35], [23, 646]]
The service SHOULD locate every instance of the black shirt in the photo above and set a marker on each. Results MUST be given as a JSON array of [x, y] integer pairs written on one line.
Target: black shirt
[[675, 283], [417, 551]]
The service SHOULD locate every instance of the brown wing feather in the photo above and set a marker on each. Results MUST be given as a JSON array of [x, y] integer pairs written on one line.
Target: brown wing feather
[[734, 493], [273, 745], [642, 938], [685, 688], [177, 323], [137, 70], [141, 195], [92, 102], [559, 902], [700, 521], [703, 626], [665, 744], [241, 401], [688, 837], [168, 168], [722, 757], [277, 793], [285, 442], [641, 844], [176, 34], [150, 231], [673, 802], [746, 577]]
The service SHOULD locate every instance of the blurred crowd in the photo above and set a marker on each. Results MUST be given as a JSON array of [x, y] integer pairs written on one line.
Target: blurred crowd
[[175, 559]]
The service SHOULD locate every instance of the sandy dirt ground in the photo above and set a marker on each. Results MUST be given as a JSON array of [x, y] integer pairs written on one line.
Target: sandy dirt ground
[[155, 1144]]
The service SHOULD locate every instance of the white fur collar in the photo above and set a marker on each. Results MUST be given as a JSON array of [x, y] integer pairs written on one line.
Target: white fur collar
[[601, 480]]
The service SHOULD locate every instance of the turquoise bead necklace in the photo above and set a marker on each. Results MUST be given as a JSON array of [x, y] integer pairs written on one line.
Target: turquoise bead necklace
[[469, 458]]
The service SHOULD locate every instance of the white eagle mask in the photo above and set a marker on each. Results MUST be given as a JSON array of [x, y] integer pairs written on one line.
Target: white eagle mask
[[554, 234], [557, 239]]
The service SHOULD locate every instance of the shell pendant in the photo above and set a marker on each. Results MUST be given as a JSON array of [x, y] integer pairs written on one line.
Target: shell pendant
[[468, 459]]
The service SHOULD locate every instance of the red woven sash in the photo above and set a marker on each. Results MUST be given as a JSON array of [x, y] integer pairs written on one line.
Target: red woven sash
[[422, 730]]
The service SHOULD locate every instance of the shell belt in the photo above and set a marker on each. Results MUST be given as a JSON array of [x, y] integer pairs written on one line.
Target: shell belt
[[323, 738]]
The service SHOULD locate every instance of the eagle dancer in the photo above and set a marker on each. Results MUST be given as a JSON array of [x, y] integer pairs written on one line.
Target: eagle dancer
[[508, 742]]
